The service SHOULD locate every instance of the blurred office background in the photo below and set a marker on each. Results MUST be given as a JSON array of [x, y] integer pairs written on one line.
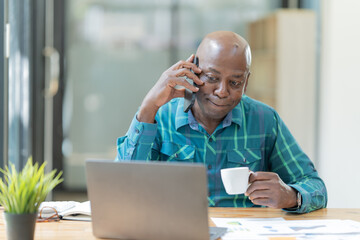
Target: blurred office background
[[74, 73]]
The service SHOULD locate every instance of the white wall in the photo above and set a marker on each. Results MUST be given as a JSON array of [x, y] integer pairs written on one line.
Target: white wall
[[339, 140]]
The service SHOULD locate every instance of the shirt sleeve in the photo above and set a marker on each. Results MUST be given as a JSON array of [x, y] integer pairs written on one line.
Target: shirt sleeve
[[138, 141], [295, 168]]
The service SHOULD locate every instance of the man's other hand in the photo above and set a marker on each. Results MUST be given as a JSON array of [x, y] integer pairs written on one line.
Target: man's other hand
[[268, 189]]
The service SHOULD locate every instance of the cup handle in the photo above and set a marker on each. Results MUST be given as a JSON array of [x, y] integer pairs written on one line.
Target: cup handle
[[250, 172]]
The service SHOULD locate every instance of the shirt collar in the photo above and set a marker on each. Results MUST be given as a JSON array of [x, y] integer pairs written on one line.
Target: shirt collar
[[237, 113], [183, 118]]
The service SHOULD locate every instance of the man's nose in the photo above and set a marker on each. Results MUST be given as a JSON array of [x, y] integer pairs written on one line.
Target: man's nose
[[222, 90]]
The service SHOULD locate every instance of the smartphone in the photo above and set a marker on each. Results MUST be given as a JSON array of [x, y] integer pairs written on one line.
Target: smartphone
[[189, 98]]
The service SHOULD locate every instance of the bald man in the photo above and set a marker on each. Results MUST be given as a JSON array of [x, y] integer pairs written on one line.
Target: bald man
[[224, 129]]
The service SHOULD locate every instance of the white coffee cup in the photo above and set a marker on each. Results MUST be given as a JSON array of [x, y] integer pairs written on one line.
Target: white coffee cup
[[235, 180]]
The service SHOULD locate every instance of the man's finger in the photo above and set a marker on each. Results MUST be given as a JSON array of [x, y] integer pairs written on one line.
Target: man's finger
[[187, 65], [262, 202], [258, 185], [263, 193], [261, 176], [191, 58], [182, 82], [185, 72], [180, 64]]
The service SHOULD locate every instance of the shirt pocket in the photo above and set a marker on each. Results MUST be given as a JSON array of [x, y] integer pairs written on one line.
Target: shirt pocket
[[177, 153], [250, 158]]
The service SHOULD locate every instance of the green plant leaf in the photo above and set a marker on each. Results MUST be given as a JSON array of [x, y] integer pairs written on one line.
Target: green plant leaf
[[22, 192]]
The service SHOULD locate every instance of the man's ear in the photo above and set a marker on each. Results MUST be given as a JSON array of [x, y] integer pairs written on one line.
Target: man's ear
[[246, 82]]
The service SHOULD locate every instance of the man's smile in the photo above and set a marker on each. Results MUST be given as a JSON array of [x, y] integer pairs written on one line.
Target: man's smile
[[219, 103]]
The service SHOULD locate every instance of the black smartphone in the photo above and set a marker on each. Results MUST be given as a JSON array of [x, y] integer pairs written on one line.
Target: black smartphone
[[189, 98]]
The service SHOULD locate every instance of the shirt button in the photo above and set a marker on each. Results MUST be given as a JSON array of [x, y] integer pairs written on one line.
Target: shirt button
[[244, 160], [176, 155], [210, 140], [209, 166], [137, 130]]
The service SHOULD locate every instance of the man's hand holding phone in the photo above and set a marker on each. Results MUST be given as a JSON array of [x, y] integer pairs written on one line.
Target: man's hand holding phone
[[165, 88]]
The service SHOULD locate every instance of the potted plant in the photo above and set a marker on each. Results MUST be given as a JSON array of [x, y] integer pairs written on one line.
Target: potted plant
[[21, 194]]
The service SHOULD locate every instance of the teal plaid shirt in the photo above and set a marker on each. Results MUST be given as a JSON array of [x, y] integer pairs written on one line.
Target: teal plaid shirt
[[251, 135]]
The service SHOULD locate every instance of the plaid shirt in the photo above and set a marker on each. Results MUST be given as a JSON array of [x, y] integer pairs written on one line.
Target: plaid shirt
[[251, 135]]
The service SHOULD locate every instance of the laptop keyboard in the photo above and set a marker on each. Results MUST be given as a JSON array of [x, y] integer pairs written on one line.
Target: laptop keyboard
[[216, 232]]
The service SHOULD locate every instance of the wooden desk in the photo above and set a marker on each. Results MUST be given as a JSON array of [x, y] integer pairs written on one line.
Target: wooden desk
[[82, 230]]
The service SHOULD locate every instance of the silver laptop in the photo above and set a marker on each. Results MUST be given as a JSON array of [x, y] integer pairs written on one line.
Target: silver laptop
[[149, 200]]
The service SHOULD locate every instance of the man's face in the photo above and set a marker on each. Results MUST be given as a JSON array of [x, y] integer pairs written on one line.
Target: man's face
[[225, 76]]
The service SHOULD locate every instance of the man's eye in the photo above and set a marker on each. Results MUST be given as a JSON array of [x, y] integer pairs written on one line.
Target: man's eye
[[236, 83], [211, 79]]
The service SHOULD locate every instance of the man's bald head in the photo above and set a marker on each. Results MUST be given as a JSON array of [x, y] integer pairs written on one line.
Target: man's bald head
[[225, 43]]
